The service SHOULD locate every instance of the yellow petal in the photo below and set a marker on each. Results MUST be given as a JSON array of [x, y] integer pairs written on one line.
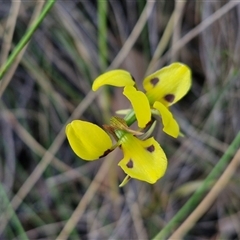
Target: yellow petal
[[87, 140], [170, 125], [117, 78], [169, 84], [143, 160], [140, 105]]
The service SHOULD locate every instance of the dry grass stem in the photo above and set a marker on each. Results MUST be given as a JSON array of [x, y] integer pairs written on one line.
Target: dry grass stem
[[8, 76], [133, 36], [47, 158], [10, 26], [179, 7], [92, 189], [196, 31], [209, 199]]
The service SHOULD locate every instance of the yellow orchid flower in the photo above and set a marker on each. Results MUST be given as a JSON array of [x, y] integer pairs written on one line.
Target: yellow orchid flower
[[143, 159], [163, 88]]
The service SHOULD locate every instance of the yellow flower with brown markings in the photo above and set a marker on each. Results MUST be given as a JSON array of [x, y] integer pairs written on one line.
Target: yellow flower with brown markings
[[143, 159], [163, 88]]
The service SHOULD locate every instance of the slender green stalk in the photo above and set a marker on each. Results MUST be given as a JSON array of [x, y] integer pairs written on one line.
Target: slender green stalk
[[195, 198], [24, 40], [102, 33], [130, 118], [102, 48], [8, 209]]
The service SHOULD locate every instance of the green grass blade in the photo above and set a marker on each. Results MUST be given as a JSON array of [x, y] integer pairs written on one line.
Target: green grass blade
[[26, 38], [8, 209], [195, 198], [102, 33]]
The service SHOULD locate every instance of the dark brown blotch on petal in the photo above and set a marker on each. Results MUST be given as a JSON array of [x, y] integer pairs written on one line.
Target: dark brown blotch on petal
[[106, 153], [149, 123], [133, 78], [151, 148], [130, 164], [169, 98], [154, 81]]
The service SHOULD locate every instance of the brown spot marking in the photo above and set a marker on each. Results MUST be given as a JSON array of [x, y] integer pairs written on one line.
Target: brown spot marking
[[149, 123], [130, 164], [154, 81], [106, 153], [151, 148], [169, 98], [133, 78]]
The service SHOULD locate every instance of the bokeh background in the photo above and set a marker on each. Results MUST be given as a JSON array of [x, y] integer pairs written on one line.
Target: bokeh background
[[44, 184]]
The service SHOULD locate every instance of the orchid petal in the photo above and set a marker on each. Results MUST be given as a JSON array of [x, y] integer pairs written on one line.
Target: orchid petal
[[143, 160], [169, 84], [117, 78], [87, 140], [170, 125], [140, 105]]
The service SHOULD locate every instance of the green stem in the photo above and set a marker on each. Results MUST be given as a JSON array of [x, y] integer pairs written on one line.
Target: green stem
[[102, 33], [102, 53], [9, 210], [195, 198], [24, 40], [130, 118]]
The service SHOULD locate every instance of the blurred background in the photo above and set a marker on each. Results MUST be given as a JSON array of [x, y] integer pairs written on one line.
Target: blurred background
[[49, 84]]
